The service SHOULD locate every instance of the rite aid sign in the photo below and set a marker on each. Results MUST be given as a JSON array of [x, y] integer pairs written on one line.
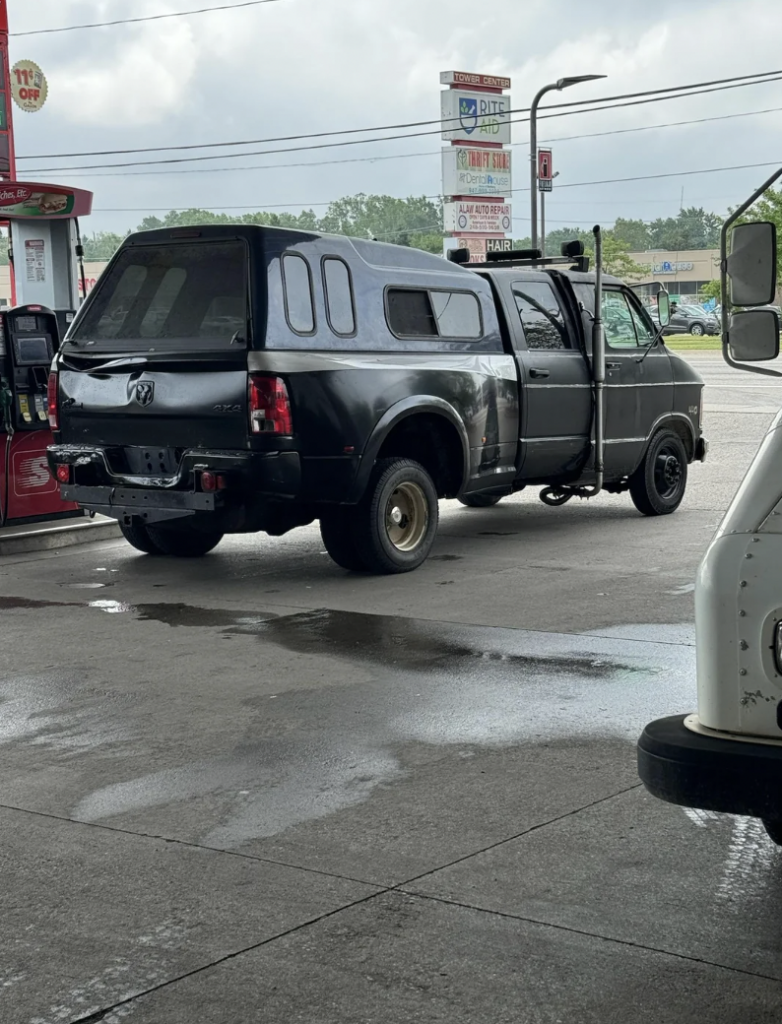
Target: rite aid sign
[[475, 116], [477, 218], [476, 172]]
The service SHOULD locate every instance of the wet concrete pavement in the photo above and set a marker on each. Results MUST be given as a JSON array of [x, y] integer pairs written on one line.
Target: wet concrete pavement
[[256, 788]]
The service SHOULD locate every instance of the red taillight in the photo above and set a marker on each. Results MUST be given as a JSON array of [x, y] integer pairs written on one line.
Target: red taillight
[[64, 474], [213, 481], [270, 406], [52, 401]]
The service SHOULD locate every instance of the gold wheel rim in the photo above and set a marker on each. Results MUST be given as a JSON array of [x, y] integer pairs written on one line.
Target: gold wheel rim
[[407, 516]]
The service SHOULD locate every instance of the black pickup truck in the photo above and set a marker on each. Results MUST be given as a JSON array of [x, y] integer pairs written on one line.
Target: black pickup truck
[[238, 379]]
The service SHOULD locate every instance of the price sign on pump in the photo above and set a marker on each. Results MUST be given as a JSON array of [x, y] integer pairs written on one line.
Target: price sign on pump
[[29, 87]]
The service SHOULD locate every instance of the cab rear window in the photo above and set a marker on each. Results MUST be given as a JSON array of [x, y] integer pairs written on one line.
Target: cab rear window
[[193, 295]]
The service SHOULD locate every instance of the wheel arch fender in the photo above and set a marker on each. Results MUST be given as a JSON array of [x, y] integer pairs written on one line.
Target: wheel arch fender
[[399, 412], [679, 424]]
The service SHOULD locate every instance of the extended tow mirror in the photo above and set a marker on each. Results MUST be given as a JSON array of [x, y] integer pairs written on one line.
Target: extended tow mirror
[[752, 265], [754, 335], [664, 308]]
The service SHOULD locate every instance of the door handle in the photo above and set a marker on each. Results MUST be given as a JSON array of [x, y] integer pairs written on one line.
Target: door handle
[[613, 366], [536, 372]]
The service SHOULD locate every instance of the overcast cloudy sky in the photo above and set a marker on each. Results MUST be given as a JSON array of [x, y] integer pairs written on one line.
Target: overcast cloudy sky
[[301, 66]]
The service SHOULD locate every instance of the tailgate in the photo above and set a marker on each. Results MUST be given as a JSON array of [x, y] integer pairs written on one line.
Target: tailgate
[[193, 408]]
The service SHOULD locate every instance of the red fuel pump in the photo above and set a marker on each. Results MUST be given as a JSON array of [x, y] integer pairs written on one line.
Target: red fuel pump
[[29, 338]]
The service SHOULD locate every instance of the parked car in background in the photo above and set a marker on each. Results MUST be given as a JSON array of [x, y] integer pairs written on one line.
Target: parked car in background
[[688, 319]]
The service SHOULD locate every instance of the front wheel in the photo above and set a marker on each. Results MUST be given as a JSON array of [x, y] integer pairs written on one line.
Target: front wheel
[[183, 540], [697, 330], [396, 521], [773, 830], [480, 500], [658, 485]]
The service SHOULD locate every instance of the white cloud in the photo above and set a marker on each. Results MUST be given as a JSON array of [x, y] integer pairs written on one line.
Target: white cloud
[[321, 65]]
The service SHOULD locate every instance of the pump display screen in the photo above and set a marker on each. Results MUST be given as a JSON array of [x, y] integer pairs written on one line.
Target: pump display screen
[[24, 324], [32, 351]]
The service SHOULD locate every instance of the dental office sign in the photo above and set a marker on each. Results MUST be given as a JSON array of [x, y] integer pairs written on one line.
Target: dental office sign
[[476, 172]]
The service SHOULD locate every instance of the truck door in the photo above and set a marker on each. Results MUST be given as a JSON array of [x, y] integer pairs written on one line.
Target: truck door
[[556, 393], [639, 381]]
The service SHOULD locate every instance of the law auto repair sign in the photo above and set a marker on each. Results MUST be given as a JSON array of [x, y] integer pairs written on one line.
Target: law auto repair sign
[[477, 218], [475, 116], [476, 172]]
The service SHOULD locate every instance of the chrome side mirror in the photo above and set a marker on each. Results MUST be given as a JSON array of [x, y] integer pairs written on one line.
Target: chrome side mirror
[[752, 264], [754, 335]]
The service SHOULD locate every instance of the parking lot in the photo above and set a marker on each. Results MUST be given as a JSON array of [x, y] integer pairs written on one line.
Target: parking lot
[[257, 788]]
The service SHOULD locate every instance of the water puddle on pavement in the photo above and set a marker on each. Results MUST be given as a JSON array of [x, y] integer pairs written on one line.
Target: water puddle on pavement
[[393, 683]]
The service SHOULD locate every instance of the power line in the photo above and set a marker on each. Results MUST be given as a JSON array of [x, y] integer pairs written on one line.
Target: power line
[[574, 184], [150, 17], [358, 142], [434, 152], [558, 110]]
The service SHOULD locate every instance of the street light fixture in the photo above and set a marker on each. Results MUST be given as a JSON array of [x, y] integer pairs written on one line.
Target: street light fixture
[[562, 83]]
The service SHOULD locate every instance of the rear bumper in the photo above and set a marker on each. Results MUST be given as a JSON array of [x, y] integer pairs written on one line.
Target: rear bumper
[[710, 772], [249, 476], [701, 449]]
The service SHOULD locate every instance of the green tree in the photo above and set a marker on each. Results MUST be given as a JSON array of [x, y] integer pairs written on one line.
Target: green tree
[[101, 246], [634, 234], [616, 259], [692, 228], [413, 221], [711, 290]]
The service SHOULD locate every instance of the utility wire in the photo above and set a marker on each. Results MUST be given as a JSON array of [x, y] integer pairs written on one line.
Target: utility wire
[[574, 184], [433, 152], [389, 138], [760, 78], [150, 17]]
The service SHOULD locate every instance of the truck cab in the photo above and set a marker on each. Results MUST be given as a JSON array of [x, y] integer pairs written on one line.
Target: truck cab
[[653, 396]]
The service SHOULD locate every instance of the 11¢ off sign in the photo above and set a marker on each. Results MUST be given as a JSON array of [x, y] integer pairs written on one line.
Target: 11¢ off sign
[[29, 87], [477, 218]]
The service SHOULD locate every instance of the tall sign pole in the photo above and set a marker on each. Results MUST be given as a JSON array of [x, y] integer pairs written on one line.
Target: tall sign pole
[[7, 152]]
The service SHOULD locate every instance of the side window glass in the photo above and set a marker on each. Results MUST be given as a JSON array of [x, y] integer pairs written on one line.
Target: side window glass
[[339, 297], [618, 321], [643, 330], [299, 306], [541, 315], [458, 314], [410, 314]]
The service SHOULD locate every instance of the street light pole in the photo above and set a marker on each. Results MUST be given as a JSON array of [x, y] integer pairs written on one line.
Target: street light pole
[[563, 83]]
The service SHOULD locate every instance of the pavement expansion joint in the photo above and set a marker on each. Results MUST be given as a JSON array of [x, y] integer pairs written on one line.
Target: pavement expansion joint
[[587, 934], [173, 841], [102, 1014], [519, 835]]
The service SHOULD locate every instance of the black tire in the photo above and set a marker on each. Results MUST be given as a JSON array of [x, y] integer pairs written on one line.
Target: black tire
[[697, 330], [183, 541], [338, 533], [773, 830], [138, 537], [657, 487], [396, 520], [480, 500]]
